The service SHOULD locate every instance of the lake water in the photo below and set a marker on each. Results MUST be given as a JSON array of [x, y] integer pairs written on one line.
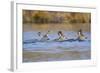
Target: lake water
[[37, 51]]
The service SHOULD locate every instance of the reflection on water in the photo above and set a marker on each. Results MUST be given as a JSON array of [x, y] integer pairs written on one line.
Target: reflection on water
[[37, 51], [56, 27]]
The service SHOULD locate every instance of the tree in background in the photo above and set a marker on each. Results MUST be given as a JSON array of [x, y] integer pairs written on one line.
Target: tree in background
[[40, 17]]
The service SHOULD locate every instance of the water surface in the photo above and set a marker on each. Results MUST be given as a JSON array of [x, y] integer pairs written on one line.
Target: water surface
[[38, 51]]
